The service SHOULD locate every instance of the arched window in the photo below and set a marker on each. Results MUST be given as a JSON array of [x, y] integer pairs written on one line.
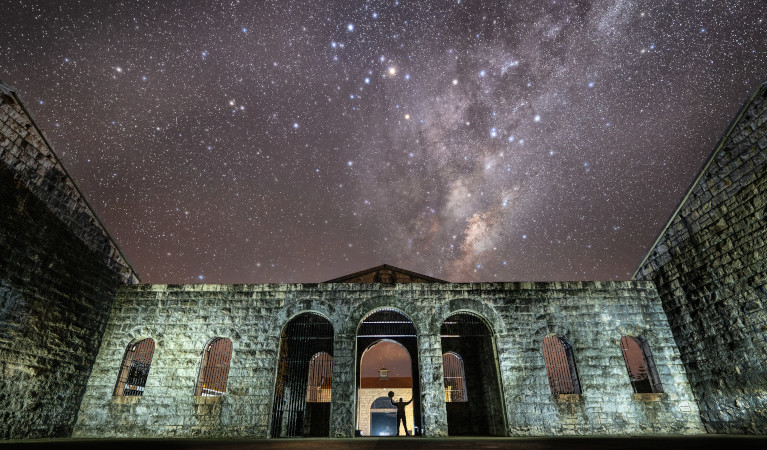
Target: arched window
[[560, 366], [455, 377], [318, 388], [131, 380], [214, 370], [640, 365]]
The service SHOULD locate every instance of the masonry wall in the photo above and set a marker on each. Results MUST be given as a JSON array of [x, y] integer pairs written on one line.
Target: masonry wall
[[182, 318], [710, 268], [58, 275]]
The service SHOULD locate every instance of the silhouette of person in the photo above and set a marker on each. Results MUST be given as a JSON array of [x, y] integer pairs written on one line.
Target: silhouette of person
[[401, 413]]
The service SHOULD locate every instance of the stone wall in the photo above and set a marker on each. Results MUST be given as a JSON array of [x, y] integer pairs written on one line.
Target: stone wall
[[25, 150], [182, 318], [58, 274], [710, 268]]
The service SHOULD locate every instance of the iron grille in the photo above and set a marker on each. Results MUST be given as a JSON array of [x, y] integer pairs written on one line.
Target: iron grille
[[464, 325], [214, 370], [303, 338], [455, 377], [386, 323], [560, 366], [134, 370], [319, 387]]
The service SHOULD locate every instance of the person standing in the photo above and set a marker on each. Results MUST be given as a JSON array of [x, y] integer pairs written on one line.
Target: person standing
[[400, 405]]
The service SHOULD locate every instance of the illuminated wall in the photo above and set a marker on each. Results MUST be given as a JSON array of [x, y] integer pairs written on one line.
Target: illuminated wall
[[710, 268]]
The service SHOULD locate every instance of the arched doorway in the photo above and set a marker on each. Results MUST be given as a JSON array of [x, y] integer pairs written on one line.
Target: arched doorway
[[383, 417], [386, 374], [472, 389], [387, 364], [302, 390]]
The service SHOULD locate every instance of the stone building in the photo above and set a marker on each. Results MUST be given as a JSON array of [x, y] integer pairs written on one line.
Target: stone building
[[87, 351]]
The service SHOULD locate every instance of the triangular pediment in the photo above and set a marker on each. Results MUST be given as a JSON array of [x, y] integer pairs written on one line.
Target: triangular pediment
[[385, 274]]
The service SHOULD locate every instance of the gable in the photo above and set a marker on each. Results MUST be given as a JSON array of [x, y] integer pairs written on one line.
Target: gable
[[385, 274]]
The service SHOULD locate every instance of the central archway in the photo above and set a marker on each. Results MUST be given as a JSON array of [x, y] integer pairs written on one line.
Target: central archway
[[387, 365]]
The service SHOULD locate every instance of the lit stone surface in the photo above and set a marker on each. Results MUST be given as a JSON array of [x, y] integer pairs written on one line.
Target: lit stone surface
[[58, 274], [593, 316], [710, 266]]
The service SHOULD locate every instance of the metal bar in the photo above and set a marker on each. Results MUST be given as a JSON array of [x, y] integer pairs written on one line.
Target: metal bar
[[214, 372], [305, 359], [135, 368], [560, 365]]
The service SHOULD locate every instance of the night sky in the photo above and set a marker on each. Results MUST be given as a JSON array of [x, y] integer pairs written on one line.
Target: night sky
[[283, 141]]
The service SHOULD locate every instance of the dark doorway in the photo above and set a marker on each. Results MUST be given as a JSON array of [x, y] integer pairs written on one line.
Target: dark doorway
[[473, 397], [318, 393], [303, 388], [383, 418], [391, 325]]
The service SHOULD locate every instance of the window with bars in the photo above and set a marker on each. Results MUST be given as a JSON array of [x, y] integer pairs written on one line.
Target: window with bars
[[134, 370], [318, 387], [214, 370], [560, 365], [455, 377], [640, 365]]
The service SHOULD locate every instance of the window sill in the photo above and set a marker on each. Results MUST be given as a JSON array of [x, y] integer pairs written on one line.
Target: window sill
[[126, 400], [207, 399], [649, 397], [568, 398]]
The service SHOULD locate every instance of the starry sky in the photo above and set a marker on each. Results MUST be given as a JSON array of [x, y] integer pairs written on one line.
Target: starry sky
[[298, 141]]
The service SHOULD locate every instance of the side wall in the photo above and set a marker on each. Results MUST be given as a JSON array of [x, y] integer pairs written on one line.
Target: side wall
[[593, 316], [710, 268], [58, 275]]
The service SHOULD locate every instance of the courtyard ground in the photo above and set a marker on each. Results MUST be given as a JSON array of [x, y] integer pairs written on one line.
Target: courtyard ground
[[607, 442]]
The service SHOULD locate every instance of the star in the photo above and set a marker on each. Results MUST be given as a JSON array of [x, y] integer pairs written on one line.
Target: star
[[460, 123]]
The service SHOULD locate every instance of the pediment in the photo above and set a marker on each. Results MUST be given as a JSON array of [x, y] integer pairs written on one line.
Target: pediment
[[385, 274]]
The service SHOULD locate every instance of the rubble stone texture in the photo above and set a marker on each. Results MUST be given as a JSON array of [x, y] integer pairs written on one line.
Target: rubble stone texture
[[592, 315], [710, 268], [58, 274]]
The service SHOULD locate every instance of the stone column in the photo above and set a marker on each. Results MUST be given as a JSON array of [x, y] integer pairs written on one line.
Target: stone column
[[432, 386], [344, 387]]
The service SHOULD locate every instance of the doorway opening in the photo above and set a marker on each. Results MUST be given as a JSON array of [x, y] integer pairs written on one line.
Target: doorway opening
[[383, 417], [472, 388], [303, 387], [387, 371]]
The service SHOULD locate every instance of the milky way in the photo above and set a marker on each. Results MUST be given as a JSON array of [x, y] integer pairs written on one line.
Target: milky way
[[299, 141]]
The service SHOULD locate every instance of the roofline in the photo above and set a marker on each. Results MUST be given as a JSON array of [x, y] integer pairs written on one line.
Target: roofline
[[717, 148], [15, 93], [385, 266]]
